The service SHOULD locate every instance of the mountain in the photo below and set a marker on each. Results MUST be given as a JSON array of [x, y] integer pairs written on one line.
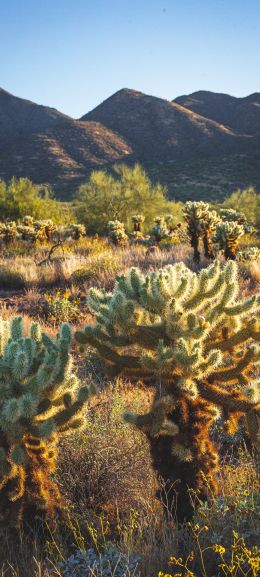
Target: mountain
[[240, 114], [51, 148], [203, 145]]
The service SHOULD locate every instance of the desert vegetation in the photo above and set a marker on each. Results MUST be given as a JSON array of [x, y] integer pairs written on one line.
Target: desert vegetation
[[129, 375]]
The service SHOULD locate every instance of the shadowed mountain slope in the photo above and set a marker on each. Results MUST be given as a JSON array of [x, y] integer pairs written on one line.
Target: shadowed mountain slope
[[201, 146]]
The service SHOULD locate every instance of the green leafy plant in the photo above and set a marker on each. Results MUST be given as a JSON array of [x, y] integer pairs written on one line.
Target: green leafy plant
[[190, 337]]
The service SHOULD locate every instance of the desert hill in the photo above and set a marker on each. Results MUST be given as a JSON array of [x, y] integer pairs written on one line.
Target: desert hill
[[200, 145]]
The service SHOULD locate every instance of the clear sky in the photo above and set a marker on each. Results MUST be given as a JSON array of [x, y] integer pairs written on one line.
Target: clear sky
[[72, 54]]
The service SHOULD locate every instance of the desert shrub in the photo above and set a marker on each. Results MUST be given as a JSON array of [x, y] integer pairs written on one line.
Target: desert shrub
[[21, 197], [178, 330], [61, 306], [102, 266], [116, 197], [108, 563]]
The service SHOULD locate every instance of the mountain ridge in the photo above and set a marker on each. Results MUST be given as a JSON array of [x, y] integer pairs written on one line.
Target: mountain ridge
[[186, 143]]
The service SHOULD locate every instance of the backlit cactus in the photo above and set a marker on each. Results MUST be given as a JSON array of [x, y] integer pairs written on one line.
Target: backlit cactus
[[44, 230], [8, 231], [160, 229], [138, 220], [227, 236], [76, 231], [116, 232], [40, 399], [190, 337], [194, 214], [208, 227]]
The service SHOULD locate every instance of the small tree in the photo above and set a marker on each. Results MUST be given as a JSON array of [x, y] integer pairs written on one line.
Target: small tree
[[189, 337]]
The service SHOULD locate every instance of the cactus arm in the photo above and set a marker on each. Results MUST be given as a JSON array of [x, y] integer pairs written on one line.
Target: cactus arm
[[233, 400]]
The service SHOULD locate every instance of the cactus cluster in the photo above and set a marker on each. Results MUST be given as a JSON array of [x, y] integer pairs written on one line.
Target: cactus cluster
[[195, 213], [224, 230], [75, 231], [8, 231], [138, 221], [40, 399], [227, 236], [116, 232], [190, 337], [30, 230]]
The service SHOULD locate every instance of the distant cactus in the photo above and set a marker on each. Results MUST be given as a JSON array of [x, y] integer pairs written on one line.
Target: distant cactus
[[208, 227], [40, 400], [249, 254], [188, 336], [28, 221], [230, 215], [44, 230], [76, 231], [171, 223], [160, 229], [8, 231], [194, 214], [116, 232], [138, 220], [227, 236]]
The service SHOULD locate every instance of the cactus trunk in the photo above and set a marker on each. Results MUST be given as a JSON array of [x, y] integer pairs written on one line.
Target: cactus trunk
[[207, 243], [191, 474]]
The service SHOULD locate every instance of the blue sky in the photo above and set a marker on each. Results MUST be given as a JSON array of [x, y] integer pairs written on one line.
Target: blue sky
[[72, 54]]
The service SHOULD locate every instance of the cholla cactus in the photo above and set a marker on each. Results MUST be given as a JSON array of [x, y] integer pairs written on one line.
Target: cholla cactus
[[28, 221], [76, 231], [195, 213], [171, 223], [8, 231], [160, 230], [138, 220], [208, 227], [230, 215], [188, 336], [116, 232], [44, 230], [227, 236], [40, 399], [249, 254]]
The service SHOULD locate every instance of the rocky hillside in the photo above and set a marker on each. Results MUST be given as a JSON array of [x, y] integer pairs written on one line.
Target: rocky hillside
[[240, 114], [50, 148], [201, 145]]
